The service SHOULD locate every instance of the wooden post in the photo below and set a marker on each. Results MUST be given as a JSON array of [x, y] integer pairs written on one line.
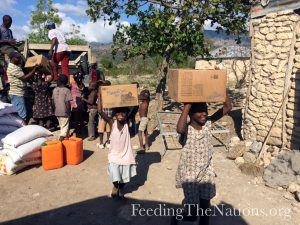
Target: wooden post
[[250, 75], [287, 82]]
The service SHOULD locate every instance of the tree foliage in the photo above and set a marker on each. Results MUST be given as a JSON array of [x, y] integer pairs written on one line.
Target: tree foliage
[[43, 13], [169, 27]]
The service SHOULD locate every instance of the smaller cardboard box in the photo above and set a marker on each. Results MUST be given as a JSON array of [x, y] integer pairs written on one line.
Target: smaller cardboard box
[[119, 95], [39, 60], [186, 85]]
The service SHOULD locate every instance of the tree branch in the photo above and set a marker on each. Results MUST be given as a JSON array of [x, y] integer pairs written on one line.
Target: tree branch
[[162, 3]]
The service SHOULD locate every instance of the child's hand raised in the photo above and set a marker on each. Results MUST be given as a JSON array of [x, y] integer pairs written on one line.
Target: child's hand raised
[[187, 105]]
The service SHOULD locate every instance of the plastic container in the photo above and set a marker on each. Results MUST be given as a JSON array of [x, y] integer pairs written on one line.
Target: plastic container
[[52, 155], [73, 150]]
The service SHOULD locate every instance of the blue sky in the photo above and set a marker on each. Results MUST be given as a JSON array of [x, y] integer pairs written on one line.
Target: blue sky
[[71, 11]]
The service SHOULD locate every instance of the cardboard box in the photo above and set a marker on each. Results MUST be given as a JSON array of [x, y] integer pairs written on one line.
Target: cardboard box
[[39, 60], [119, 95], [186, 85]]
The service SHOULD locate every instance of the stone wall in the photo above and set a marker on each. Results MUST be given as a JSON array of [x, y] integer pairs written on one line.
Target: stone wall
[[237, 69], [272, 44]]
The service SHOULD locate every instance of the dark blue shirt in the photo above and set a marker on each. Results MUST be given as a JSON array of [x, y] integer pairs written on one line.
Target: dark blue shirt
[[5, 34]]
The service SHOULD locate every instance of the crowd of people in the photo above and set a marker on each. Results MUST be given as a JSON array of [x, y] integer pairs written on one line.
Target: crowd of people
[[69, 103], [57, 102]]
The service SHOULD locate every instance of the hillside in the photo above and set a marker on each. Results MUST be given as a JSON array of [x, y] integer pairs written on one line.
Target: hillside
[[218, 37]]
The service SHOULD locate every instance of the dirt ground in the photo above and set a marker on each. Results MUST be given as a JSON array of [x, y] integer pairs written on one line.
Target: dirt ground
[[79, 195]]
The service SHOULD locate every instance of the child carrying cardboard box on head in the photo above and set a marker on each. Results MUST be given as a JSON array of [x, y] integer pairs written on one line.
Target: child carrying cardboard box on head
[[121, 158], [195, 173]]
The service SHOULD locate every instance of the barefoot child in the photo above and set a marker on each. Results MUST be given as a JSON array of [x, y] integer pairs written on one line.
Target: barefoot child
[[143, 112], [92, 108], [195, 172], [61, 99], [122, 165]]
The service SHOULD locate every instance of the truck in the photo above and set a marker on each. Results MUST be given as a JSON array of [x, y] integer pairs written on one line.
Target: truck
[[81, 59]]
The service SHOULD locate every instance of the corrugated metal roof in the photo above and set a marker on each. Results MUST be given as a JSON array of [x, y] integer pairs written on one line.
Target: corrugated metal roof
[[264, 7], [230, 52]]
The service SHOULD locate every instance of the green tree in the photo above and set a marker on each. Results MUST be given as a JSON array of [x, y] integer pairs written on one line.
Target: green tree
[[165, 26], [75, 37], [43, 13]]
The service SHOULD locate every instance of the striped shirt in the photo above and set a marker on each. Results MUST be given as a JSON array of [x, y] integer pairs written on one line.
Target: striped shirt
[[17, 87]]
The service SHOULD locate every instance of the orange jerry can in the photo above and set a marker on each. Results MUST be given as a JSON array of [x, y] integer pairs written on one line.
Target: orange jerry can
[[52, 155], [73, 150]]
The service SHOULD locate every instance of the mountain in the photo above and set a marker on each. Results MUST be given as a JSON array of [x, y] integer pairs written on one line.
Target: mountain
[[222, 37]]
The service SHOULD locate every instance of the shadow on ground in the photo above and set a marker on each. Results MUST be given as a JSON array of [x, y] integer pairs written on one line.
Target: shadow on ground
[[87, 154], [153, 136], [143, 164], [107, 211], [237, 118]]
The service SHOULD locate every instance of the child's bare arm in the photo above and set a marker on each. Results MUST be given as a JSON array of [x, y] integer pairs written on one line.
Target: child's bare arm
[[223, 111], [102, 113], [182, 122]]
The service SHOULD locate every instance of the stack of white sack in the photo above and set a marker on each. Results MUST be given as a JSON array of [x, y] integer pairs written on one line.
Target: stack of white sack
[[21, 148], [9, 120]]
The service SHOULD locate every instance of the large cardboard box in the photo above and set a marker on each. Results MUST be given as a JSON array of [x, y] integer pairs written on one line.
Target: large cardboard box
[[186, 85], [119, 95], [39, 60]]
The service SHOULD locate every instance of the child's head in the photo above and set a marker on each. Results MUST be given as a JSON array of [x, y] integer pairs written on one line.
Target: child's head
[[121, 114], [198, 113], [15, 57], [62, 80], [145, 94]]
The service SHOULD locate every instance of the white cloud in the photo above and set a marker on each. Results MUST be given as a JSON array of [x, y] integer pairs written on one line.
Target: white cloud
[[94, 32], [77, 9], [7, 6], [20, 32], [98, 32], [207, 25]]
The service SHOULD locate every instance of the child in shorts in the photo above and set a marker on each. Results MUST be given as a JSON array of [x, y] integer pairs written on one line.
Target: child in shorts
[[144, 99]]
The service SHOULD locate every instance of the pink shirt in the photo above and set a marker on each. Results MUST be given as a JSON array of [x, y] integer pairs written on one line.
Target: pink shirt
[[120, 151]]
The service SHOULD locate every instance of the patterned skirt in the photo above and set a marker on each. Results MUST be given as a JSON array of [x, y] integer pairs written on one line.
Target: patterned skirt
[[203, 189]]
